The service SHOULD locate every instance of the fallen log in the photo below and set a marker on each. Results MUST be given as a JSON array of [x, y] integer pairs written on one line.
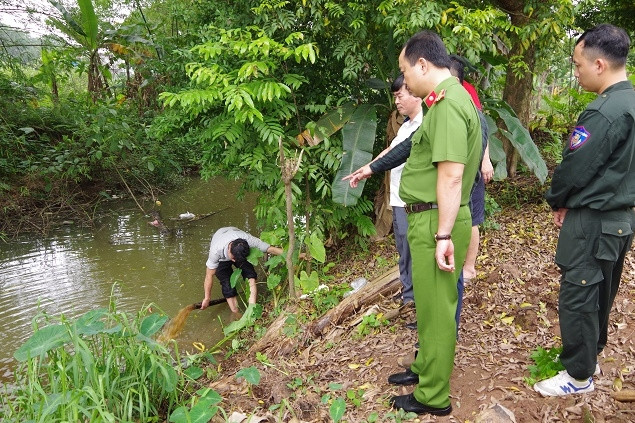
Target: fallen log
[[373, 291], [277, 344], [198, 216]]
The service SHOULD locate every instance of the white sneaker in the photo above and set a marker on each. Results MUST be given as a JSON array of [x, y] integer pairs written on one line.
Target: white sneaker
[[597, 371], [563, 384]]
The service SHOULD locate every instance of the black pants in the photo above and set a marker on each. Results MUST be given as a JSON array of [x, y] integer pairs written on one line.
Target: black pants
[[224, 272], [591, 251]]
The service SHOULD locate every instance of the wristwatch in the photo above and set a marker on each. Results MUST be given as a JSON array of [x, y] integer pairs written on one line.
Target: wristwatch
[[438, 237]]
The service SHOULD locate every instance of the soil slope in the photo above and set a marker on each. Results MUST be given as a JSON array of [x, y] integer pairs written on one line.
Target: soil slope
[[509, 310]]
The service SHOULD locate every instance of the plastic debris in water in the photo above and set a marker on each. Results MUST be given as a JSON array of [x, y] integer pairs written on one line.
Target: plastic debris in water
[[187, 215]]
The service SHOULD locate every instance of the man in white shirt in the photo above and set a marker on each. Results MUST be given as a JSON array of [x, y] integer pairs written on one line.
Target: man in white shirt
[[410, 107], [230, 247]]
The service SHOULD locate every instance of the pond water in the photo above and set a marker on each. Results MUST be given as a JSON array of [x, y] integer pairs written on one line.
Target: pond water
[[74, 270]]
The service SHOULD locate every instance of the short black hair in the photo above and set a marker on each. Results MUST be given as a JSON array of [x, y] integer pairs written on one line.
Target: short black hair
[[239, 249], [428, 45], [457, 67], [609, 41], [397, 83]]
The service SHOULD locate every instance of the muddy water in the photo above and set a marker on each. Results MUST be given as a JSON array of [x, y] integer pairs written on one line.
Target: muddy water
[[74, 270]]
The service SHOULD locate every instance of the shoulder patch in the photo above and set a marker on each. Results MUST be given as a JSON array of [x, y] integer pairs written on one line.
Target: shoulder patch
[[578, 137]]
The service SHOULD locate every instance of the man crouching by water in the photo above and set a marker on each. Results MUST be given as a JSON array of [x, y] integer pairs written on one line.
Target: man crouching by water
[[229, 248]]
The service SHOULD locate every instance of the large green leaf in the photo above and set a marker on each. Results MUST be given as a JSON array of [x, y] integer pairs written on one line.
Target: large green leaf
[[253, 312], [358, 136], [152, 324], [89, 22], [251, 375], [45, 339], [327, 125], [519, 137], [337, 409], [496, 152], [167, 376], [209, 394], [201, 412], [235, 277], [68, 18], [498, 158], [91, 323], [316, 248]]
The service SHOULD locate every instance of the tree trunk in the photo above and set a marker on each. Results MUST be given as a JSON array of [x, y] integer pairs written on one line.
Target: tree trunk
[[518, 88], [288, 169]]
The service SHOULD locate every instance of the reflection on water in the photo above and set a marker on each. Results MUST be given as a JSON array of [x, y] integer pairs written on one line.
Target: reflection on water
[[75, 270]]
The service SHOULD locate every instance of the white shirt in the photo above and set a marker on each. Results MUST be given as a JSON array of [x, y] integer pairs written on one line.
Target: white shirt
[[407, 128], [219, 246]]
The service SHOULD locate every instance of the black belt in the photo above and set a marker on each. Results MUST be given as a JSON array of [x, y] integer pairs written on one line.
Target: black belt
[[419, 207]]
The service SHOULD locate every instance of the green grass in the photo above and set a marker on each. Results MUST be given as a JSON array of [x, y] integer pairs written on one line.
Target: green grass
[[102, 367]]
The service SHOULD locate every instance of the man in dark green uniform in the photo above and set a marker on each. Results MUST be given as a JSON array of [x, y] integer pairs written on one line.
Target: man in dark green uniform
[[592, 194]]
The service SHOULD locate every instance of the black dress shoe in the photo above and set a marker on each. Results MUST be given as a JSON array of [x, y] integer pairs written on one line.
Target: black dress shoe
[[410, 404], [406, 378], [411, 325]]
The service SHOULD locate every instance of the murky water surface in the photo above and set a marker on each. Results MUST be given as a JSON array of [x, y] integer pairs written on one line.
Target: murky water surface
[[74, 270]]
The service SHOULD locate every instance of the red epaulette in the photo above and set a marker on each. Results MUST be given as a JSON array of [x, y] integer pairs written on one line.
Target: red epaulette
[[433, 98]]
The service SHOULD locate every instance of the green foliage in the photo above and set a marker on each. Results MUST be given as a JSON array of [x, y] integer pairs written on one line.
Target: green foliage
[[308, 282], [358, 137], [519, 138], [562, 110], [355, 396], [369, 324], [491, 209], [250, 374], [547, 364], [337, 409], [316, 248], [103, 366], [400, 415], [326, 299], [202, 410], [253, 312]]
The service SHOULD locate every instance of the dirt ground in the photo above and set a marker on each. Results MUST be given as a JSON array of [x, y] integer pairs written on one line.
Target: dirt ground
[[509, 310]]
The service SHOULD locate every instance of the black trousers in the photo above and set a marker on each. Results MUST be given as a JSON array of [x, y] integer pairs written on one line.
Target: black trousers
[[591, 251], [224, 272]]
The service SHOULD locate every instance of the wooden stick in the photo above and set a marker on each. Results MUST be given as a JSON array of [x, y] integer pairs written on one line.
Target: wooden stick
[[212, 302]]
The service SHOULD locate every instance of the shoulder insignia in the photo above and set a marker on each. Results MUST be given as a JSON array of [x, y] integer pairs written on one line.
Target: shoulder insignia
[[431, 99], [441, 96], [578, 137]]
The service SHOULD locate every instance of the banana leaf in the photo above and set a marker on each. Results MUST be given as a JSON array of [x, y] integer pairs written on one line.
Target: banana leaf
[[89, 22], [327, 125], [358, 137], [520, 139], [496, 152]]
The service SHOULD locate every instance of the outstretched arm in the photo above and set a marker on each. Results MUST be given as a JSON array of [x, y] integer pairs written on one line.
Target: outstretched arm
[[275, 250], [207, 287]]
